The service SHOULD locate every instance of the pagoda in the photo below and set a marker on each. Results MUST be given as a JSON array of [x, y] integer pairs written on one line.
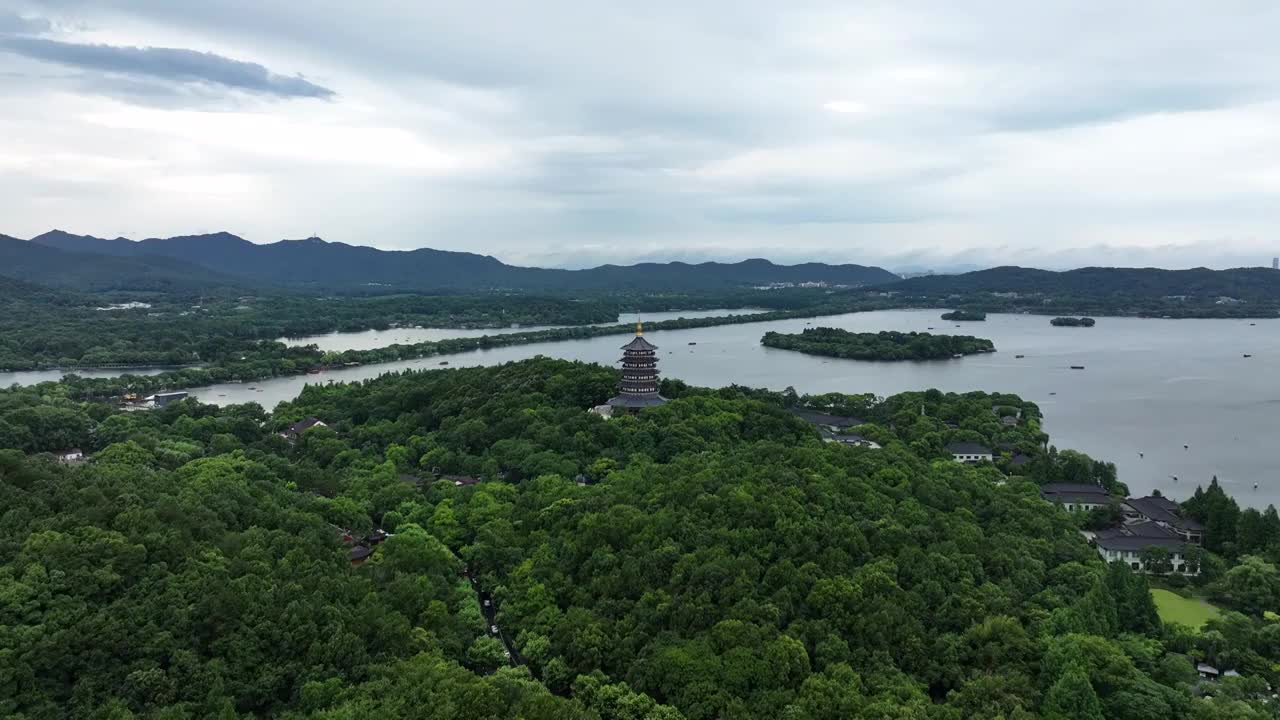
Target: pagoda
[[639, 386]]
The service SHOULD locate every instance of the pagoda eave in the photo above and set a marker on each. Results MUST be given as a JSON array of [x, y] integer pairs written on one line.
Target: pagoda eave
[[632, 402]]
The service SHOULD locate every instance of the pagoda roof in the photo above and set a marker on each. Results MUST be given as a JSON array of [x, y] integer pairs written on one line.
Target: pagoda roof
[[639, 343], [637, 401]]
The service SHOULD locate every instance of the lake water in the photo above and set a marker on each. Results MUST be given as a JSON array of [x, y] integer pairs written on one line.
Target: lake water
[[373, 339], [33, 377], [1149, 386]]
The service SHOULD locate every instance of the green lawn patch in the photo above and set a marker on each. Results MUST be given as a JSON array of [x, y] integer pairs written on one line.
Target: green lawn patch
[[1174, 608]]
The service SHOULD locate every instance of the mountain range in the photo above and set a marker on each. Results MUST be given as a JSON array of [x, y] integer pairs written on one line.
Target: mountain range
[[51, 266], [1255, 283], [221, 259]]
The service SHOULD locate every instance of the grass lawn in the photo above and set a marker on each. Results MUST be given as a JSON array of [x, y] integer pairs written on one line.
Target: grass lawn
[[1192, 612]]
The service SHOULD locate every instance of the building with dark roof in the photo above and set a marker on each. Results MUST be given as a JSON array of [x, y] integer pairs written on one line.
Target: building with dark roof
[[1142, 529], [967, 452], [1165, 512], [639, 386], [360, 553], [73, 456], [294, 431], [825, 421], [1076, 497], [162, 399], [852, 440], [1128, 549]]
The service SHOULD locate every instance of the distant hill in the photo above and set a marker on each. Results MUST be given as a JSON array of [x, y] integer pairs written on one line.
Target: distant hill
[[1250, 284], [316, 263], [16, 291], [48, 265]]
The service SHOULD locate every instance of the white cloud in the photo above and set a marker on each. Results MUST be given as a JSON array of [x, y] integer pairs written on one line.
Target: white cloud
[[845, 106], [1049, 132]]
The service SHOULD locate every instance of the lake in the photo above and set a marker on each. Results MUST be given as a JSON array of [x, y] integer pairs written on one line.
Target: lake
[[373, 339], [1148, 386], [33, 377]]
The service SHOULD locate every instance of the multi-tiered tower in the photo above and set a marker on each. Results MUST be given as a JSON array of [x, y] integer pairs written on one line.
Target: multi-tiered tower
[[639, 386]]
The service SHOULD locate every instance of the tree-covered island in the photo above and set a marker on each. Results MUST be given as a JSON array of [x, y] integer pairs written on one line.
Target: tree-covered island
[[887, 345], [965, 315], [1072, 322]]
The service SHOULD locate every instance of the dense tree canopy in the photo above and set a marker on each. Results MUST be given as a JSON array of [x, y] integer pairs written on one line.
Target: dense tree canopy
[[886, 345], [965, 315], [1073, 322], [710, 558]]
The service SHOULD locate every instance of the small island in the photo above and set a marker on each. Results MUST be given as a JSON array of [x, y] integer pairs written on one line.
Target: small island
[[888, 345], [1072, 322], [965, 315]]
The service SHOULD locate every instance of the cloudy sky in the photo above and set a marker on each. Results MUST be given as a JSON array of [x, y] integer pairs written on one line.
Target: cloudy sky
[[569, 133]]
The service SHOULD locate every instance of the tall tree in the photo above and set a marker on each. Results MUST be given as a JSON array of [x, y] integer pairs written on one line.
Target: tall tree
[[1071, 697]]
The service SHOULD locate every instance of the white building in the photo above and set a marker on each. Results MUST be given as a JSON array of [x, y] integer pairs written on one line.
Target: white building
[[967, 452], [1114, 546]]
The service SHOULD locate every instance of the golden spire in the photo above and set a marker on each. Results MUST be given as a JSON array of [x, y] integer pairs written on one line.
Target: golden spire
[[639, 329]]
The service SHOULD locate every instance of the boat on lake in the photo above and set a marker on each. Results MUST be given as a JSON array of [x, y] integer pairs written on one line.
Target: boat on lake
[[444, 362], [1077, 367], [693, 343], [1247, 355], [1019, 357]]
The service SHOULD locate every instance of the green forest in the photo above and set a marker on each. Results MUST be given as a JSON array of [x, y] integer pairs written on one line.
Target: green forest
[[885, 345], [965, 315], [710, 558], [41, 328]]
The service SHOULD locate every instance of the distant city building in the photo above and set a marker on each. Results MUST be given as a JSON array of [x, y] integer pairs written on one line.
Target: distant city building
[[639, 386]]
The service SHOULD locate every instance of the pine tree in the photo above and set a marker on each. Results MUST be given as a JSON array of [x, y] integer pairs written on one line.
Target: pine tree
[[1098, 611], [1135, 609]]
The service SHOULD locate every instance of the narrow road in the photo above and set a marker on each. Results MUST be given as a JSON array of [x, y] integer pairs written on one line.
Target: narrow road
[[489, 609]]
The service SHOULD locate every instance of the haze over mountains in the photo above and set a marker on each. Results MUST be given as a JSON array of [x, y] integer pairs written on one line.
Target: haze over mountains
[[225, 259], [199, 263]]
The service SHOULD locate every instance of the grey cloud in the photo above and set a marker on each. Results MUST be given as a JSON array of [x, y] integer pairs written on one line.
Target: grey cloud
[[11, 23], [1119, 101], [171, 64]]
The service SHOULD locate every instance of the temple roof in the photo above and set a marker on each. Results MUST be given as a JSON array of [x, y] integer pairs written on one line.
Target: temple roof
[[639, 343], [626, 400]]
